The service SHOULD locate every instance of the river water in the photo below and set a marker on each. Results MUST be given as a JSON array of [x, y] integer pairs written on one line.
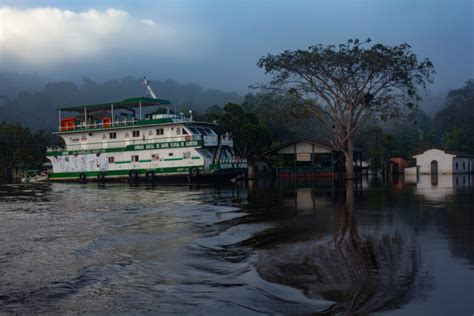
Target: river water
[[287, 247]]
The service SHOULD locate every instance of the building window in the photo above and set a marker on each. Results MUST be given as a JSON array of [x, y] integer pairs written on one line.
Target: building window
[[160, 131], [186, 155], [135, 158], [111, 159], [457, 166], [136, 133], [113, 135]]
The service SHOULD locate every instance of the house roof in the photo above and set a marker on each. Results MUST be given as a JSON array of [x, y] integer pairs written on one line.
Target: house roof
[[304, 140], [297, 140], [458, 154], [126, 103]]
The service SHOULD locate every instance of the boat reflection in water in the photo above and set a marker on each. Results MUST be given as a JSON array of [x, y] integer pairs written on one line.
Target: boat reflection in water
[[329, 253]]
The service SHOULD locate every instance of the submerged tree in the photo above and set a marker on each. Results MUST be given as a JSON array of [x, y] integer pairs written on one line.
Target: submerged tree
[[345, 86]]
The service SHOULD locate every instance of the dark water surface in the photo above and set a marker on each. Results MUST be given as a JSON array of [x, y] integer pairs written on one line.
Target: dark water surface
[[272, 248]]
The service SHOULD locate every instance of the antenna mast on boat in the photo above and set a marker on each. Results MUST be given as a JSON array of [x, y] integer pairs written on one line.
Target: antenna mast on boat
[[151, 93], [149, 90]]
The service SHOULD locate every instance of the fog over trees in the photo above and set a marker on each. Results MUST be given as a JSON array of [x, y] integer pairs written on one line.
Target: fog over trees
[[442, 121], [32, 100]]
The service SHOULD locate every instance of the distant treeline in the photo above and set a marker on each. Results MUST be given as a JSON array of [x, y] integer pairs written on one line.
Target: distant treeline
[[20, 149], [257, 121], [36, 108]]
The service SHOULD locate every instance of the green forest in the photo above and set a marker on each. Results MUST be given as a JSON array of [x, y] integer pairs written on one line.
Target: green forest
[[258, 121]]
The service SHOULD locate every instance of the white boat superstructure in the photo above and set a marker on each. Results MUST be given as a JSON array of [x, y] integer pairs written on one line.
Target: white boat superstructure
[[115, 140]]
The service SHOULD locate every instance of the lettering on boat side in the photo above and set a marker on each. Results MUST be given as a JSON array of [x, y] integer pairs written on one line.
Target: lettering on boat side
[[190, 143], [166, 145]]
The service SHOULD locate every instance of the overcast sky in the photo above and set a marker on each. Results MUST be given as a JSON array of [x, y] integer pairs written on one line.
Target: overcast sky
[[217, 43]]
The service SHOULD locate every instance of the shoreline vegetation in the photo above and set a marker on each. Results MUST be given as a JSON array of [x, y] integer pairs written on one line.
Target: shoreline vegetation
[[385, 121]]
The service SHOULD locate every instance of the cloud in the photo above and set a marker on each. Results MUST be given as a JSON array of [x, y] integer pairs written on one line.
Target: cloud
[[51, 36]]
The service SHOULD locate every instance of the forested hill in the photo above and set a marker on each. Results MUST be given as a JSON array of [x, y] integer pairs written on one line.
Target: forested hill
[[36, 108]]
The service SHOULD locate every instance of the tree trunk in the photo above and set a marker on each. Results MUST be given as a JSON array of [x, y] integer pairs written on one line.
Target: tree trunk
[[349, 155]]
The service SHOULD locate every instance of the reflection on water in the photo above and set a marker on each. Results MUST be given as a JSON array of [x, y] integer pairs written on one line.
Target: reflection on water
[[289, 247], [439, 187], [357, 269]]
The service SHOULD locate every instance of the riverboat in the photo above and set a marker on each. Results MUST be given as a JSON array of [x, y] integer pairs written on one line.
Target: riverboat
[[119, 140]]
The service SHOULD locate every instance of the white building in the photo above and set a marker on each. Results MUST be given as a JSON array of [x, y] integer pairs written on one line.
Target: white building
[[436, 161]]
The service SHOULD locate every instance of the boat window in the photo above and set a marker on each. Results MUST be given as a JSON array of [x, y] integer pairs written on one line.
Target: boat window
[[111, 159], [185, 132], [160, 131], [178, 130], [113, 135], [193, 130], [136, 133], [210, 131], [170, 154], [135, 158], [186, 155], [203, 132]]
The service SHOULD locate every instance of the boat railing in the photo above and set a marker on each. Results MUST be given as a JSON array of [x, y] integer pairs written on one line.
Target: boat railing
[[98, 124], [115, 123]]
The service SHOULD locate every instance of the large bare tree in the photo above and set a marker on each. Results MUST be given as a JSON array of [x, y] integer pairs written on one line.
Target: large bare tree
[[344, 86]]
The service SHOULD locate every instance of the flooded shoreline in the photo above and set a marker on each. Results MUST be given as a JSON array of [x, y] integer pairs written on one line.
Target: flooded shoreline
[[298, 247]]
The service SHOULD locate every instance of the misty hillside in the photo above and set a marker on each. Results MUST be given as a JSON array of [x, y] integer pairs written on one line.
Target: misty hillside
[[11, 83], [36, 108]]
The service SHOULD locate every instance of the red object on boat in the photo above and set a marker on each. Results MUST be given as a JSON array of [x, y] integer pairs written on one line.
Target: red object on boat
[[67, 124], [107, 121]]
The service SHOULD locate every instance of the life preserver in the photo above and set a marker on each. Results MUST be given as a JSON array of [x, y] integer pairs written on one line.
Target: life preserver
[[101, 176], [187, 137], [150, 175], [82, 176], [194, 172], [133, 174]]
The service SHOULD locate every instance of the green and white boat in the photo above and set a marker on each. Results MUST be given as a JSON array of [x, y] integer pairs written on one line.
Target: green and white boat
[[118, 140]]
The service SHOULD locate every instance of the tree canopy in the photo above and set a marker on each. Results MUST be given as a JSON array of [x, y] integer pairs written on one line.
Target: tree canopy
[[251, 135], [19, 148], [454, 123], [345, 86]]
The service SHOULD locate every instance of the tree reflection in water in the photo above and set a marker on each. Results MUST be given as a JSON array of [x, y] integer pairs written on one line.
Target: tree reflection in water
[[359, 272]]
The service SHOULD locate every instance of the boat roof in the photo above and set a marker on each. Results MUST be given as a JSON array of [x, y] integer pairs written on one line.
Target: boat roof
[[124, 104]]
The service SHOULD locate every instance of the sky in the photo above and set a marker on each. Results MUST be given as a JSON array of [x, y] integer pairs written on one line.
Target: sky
[[218, 43]]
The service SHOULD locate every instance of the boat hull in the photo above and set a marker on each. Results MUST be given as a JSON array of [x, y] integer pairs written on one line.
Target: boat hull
[[223, 175]]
